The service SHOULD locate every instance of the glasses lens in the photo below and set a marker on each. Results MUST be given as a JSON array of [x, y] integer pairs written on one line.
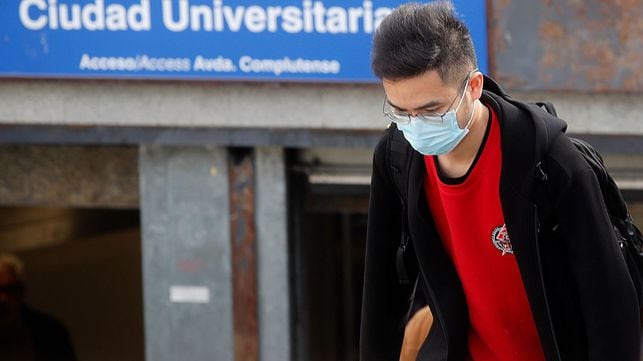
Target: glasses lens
[[400, 118], [430, 118]]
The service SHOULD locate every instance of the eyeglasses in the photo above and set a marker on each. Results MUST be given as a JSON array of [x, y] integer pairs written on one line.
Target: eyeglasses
[[401, 117]]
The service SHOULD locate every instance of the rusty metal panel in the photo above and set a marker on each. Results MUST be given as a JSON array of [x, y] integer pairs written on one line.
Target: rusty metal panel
[[243, 240], [69, 176], [592, 45]]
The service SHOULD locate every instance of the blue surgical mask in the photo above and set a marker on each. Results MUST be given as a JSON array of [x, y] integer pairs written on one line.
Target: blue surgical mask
[[435, 135]]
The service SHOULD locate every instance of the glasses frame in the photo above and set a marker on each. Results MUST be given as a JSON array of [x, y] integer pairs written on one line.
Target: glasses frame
[[405, 118]]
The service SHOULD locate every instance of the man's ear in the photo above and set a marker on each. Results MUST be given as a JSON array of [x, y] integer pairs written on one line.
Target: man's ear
[[476, 82]]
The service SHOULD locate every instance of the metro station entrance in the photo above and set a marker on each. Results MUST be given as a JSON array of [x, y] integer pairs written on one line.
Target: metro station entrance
[[70, 214], [83, 268], [328, 206]]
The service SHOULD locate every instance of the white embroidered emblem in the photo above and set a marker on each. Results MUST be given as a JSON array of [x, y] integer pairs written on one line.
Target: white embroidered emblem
[[500, 239]]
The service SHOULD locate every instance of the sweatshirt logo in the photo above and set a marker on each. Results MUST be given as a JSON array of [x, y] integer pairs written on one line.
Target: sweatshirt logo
[[500, 239]]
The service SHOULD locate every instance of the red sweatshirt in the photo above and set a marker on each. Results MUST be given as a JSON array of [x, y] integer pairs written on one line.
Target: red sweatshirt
[[470, 222]]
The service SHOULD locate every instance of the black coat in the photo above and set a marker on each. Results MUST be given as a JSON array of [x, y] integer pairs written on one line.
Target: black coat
[[51, 341], [581, 296]]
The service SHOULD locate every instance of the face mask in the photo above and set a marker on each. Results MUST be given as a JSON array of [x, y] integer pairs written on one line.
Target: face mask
[[439, 135]]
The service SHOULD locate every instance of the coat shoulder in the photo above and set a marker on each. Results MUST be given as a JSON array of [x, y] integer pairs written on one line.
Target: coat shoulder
[[566, 158]]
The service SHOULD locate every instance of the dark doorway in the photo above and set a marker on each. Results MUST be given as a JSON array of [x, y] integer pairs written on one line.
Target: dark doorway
[[328, 230], [83, 267]]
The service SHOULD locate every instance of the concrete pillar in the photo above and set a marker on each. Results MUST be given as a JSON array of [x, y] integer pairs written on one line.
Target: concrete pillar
[[186, 253], [272, 254], [203, 208]]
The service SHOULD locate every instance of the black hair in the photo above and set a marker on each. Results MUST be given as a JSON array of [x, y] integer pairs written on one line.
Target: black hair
[[417, 38]]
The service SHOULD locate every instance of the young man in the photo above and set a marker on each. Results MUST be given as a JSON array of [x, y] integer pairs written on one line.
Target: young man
[[500, 283]]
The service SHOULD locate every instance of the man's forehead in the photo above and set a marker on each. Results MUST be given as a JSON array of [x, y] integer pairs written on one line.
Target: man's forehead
[[417, 92]]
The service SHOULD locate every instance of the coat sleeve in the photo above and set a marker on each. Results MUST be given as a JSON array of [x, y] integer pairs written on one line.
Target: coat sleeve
[[385, 302], [607, 296]]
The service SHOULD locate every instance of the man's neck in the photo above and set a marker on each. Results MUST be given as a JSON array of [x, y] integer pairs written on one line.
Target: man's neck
[[456, 163]]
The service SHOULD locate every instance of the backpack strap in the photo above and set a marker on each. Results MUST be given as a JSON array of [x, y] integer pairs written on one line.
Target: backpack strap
[[542, 197], [398, 156], [545, 207]]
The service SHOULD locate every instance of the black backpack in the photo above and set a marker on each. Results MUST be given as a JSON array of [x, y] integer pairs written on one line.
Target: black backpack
[[629, 237]]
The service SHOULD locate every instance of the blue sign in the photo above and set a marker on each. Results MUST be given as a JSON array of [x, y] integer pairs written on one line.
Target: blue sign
[[269, 40]]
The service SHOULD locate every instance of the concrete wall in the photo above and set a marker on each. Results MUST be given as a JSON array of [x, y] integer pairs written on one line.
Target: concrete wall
[[263, 105]]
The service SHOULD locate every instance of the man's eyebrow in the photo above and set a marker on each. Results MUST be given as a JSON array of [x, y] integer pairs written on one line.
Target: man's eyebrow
[[430, 104]]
